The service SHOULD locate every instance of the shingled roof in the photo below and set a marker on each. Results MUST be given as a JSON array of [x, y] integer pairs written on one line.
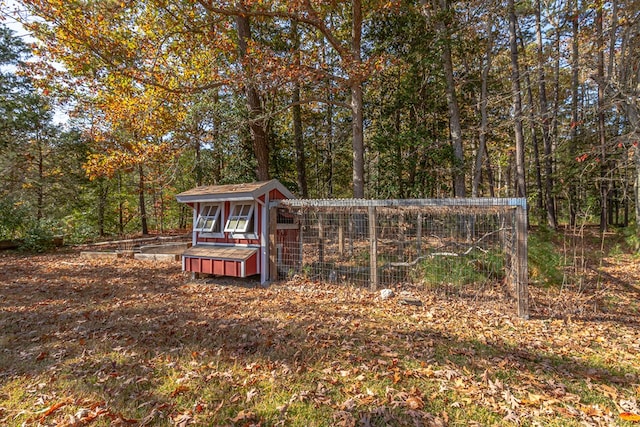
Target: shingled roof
[[232, 192]]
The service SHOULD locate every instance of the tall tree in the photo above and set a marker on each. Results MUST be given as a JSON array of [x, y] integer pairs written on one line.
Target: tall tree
[[516, 93], [546, 121], [484, 100], [443, 24], [257, 122], [301, 164]]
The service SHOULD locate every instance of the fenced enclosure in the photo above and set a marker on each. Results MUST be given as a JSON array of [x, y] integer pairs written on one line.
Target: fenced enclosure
[[465, 247]]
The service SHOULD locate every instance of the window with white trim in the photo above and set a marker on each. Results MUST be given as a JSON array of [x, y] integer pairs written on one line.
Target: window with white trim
[[240, 219], [208, 219]]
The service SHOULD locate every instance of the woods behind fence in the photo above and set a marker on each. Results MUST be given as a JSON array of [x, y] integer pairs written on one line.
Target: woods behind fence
[[466, 247]]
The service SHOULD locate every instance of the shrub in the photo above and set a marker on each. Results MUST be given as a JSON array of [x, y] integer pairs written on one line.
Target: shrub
[[12, 216], [37, 239]]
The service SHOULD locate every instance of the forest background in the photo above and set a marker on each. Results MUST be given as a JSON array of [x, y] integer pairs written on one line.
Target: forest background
[[376, 99]]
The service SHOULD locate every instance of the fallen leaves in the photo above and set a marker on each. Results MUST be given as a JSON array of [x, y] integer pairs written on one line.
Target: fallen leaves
[[629, 416], [161, 349], [53, 408]]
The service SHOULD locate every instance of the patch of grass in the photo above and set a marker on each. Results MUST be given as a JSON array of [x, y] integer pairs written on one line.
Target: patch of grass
[[476, 267], [544, 260]]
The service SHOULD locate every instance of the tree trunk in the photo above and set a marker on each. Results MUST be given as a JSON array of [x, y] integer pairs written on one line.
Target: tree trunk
[[546, 131], [357, 106], [490, 177], [103, 192], [40, 183], [455, 127], [120, 205], [257, 123], [301, 163], [142, 206], [575, 68], [398, 167], [520, 182], [604, 182], [484, 120], [329, 151], [534, 134], [198, 166]]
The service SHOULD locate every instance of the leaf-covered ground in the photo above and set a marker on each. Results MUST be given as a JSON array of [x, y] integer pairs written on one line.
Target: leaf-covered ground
[[126, 342]]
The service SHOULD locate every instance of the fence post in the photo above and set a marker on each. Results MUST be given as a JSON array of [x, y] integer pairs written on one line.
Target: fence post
[[522, 275], [341, 234], [320, 239], [273, 251], [419, 235], [373, 250]]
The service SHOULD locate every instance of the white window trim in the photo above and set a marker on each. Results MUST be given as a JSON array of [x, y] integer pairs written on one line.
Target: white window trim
[[250, 216], [217, 218]]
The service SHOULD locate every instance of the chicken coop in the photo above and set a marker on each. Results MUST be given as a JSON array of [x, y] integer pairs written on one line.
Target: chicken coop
[[230, 234]]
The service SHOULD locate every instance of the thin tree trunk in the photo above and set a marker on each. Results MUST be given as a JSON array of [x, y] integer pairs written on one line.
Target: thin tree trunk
[[520, 182], [484, 118], [102, 202], [398, 167], [142, 206], [120, 205], [455, 127], [40, 183], [198, 160], [546, 120], [257, 123], [604, 182], [534, 135], [575, 68], [301, 163], [357, 106], [330, 143], [490, 177]]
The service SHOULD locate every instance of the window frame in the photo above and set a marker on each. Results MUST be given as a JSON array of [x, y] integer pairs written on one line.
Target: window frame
[[216, 226], [249, 228]]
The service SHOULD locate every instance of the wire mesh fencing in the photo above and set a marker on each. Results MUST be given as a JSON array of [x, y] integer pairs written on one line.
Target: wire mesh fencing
[[463, 247]]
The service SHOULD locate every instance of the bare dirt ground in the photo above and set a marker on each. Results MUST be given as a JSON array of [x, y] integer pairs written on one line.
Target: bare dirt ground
[[126, 342]]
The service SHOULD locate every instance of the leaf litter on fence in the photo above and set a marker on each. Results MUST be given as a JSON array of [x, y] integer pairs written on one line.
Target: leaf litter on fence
[[124, 341]]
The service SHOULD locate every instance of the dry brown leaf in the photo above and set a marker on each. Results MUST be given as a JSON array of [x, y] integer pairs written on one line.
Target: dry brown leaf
[[414, 402]]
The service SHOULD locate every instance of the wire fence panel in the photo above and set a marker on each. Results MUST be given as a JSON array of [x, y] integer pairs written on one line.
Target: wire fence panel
[[461, 247]]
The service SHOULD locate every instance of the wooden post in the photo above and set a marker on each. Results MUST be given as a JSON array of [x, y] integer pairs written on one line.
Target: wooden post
[[419, 234], [340, 234], [351, 231], [273, 242], [522, 277], [373, 250], [301, 228], [320, 238], [401, 235]]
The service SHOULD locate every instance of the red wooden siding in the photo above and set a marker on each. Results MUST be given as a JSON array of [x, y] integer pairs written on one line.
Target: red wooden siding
[[222, 267]]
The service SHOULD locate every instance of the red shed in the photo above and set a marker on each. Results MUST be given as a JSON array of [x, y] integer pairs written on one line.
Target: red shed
[[231, 228]]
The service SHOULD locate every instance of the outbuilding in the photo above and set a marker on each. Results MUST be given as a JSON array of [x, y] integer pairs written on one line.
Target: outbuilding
[[231, 228]]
